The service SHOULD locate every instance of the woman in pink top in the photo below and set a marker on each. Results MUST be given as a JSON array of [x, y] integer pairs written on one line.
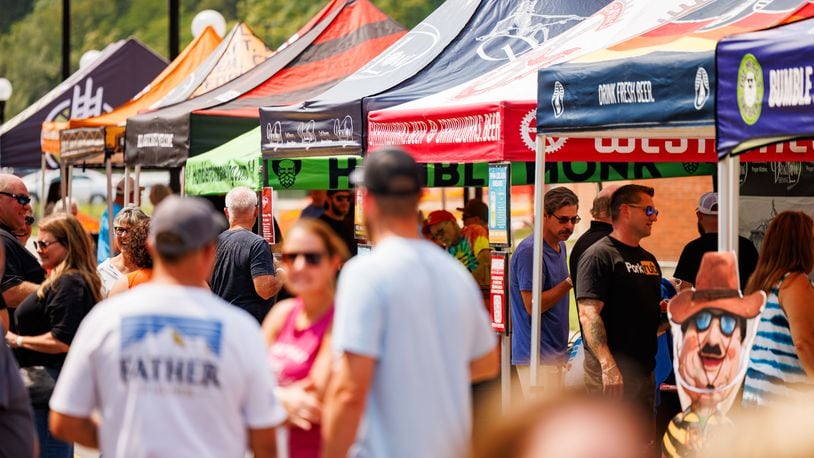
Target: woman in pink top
[[298, 329]]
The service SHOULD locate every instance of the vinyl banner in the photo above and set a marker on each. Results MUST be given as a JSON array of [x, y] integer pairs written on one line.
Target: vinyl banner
[[669, 86], [766, 91]]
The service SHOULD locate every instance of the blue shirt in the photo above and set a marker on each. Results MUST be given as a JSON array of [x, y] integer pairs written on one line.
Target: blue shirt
[[422, 319], [103, 245], [553, 323]]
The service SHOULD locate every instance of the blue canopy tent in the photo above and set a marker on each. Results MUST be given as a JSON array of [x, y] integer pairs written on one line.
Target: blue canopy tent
[[659, 85]]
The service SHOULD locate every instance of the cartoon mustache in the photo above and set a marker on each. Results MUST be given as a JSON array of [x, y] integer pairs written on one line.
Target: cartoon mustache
[[712, 350]]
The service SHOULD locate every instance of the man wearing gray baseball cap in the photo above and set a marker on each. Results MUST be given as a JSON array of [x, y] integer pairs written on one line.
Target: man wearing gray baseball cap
[[172, 368]]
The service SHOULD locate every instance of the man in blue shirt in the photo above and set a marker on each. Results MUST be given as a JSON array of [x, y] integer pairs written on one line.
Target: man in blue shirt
[[561, 207]]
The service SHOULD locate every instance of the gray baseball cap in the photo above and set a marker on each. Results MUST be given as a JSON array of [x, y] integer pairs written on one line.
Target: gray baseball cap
[[184, 224]]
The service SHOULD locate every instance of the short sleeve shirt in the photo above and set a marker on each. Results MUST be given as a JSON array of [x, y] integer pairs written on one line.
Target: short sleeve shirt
[[628, 280], [21, 265], [690, 260], [65, 304], [242, 255], [554, 324], [173, 371], [422, 320]]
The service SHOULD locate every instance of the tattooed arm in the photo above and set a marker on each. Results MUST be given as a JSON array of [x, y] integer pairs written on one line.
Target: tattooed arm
[[593, 330]]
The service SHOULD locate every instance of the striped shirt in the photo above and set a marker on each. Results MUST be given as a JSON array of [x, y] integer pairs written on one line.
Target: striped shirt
[[774, 369]]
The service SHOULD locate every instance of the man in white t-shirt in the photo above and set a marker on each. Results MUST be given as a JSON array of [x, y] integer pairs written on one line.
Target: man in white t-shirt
[[172, 369], [410, 333]]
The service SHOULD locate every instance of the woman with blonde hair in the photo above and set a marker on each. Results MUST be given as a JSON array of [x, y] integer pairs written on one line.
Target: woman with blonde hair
[[298, 329], [47, 320], [781, 362], [112, 269]]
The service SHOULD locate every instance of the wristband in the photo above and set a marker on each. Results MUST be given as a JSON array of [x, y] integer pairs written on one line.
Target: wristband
[[19, 341]]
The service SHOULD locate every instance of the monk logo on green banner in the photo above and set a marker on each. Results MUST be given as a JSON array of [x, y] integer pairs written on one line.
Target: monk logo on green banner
[[287, 171]]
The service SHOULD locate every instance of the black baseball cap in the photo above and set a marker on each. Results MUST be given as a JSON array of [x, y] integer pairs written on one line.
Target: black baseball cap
[[389, 172]]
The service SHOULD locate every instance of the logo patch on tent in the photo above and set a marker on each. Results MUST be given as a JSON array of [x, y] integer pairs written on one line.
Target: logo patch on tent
[[522, 31], [528, 133], [750, 89], [421, 40], [287, 171], [701, 88], [557, 99], [690, 167]]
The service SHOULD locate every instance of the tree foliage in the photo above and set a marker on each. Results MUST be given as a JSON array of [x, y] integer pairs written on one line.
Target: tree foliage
[[31, 37]]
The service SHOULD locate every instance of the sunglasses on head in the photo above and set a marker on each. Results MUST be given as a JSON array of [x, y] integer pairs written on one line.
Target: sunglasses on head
[[726, 322], [566, 219], [649, 210], [312, 258], [21, 198], [342, 197]]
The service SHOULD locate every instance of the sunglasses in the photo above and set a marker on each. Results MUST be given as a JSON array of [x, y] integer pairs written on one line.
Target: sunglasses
[[312, 258], [342, 197], [726, 322], [41, 245], [648, 210], [21, 199], [566, 219]]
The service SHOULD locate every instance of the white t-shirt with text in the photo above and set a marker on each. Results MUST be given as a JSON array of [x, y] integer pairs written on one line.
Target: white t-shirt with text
[[174, 371]]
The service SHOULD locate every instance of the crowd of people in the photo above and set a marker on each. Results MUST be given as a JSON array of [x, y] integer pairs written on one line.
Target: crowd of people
[[188, 336]]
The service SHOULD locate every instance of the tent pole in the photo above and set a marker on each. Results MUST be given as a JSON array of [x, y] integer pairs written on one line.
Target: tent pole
[[537, 272], [63, 183], [733, 164], [69, 186], [43, 185], [725, 203], [127, 189], [137, 199], [110, 197], [183, 180]]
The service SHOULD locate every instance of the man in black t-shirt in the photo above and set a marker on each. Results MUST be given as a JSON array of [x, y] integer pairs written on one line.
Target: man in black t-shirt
[[23, 273], [337, 215], [244, 273], [600, 227], [619, 292], [690, 259]]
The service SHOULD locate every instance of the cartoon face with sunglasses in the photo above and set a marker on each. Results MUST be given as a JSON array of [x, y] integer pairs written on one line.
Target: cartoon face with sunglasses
[[714, 325]]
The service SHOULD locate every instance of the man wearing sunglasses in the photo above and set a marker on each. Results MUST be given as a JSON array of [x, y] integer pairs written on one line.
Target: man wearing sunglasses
[[23, 272], [618, 294], [561, 206], [410, 332], [337, 215], [710, 323]]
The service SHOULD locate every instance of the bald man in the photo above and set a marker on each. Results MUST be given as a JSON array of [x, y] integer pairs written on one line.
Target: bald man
[[600, 227], [23, 273]]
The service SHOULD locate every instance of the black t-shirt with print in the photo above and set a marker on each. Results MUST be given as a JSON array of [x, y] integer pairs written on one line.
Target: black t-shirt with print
[[627, 280], [21, 265]]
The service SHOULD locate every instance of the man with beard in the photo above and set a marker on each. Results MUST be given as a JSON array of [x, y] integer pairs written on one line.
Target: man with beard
[[337, 215], [690, 259], [710, 322], [560, 206], [618, 294]]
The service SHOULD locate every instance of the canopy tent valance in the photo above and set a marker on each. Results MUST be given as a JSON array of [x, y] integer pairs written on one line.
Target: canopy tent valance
[[765, 93], [85, 139], [90, 91]]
